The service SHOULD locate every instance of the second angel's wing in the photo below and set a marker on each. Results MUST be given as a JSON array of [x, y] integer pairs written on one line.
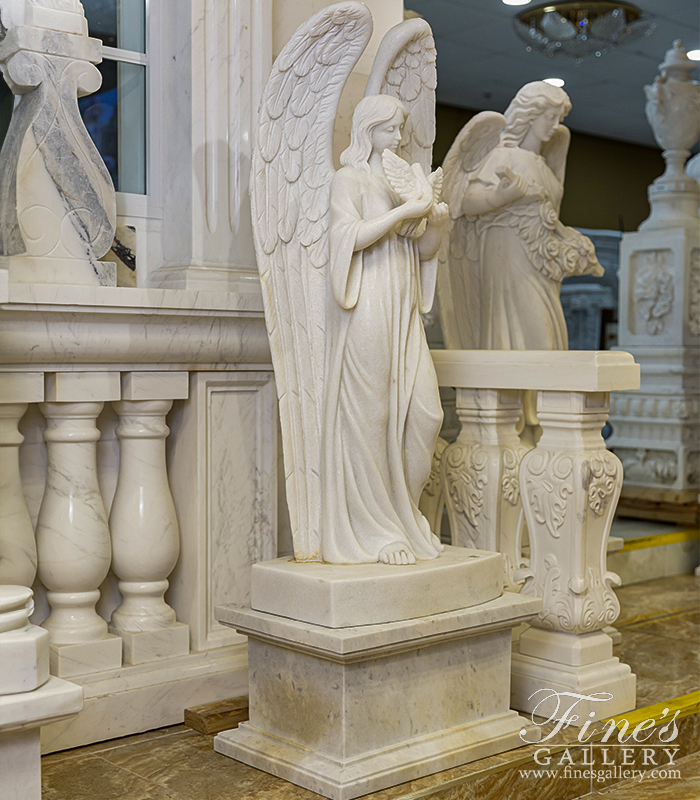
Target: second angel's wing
[[473, 143], [556, 150], [455, 283], [291, 170], [405, 68]]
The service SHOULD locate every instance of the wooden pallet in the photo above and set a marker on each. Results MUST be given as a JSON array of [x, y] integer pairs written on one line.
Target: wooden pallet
[[219, 716], [661, 505]]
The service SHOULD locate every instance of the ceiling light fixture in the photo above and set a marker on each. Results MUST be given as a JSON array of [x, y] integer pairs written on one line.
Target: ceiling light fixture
[[516, 2], [694, 55], [558, 82], [578, 29]]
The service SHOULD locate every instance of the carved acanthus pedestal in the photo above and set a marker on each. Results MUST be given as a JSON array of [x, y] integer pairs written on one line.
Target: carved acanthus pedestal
[[479, 473], [570, 485]]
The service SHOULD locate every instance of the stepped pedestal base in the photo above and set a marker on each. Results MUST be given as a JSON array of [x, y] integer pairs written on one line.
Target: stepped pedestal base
[[579, 664], [351, 710]]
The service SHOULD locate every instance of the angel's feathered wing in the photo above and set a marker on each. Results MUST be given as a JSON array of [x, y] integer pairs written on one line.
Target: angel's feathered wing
[[404, 68], [556, 150], [473, 143], [292, 167]]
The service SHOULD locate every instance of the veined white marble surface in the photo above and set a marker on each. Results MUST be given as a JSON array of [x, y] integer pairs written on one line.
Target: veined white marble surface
[[58, 214], [147, 696], [376, 705], [55, 700], [79, 325], [340, 595], [20, 717], [504, 610], [24, 648], [153, 299]]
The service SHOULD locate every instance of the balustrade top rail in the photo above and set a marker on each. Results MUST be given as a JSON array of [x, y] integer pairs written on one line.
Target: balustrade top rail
[[544, 370]]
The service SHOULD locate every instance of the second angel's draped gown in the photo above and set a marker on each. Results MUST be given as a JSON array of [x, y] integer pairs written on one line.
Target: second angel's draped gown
[[511, 304], [382, 411]]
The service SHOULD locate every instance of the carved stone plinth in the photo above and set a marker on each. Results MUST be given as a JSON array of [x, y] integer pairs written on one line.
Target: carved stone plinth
[[345, 711]]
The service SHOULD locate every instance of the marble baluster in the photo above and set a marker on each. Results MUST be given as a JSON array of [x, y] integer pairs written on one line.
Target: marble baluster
[[570, 486], [143, 522], [18, 560], [72, 534], [479, 473]]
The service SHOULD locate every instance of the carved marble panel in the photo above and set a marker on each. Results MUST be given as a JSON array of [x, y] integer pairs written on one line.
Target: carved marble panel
[[694, 293], [652, 291], [649, 466]]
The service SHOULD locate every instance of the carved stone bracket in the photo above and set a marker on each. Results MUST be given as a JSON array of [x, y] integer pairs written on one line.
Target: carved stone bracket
[[57, 201], [479, 474], [571, 485]]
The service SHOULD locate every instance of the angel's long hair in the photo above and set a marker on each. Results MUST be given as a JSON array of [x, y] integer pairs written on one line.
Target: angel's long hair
[[529, 103], [369, 112]]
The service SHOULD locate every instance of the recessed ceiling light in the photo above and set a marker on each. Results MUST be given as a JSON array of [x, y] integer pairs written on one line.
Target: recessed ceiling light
[[558, 82], [517, 2], [694, 55]]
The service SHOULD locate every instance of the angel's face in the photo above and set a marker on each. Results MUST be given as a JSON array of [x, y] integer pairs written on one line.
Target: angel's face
[[544, 125], [387, 135]]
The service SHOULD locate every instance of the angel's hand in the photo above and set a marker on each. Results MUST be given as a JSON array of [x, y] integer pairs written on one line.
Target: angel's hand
[[417, 207], [511, 187], [438, 214]]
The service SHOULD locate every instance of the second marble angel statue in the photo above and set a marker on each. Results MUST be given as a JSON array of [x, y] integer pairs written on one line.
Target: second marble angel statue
[[348, 262], [505, 251]]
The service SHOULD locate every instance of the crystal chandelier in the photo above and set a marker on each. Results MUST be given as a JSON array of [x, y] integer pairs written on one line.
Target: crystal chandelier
[[579, 29]]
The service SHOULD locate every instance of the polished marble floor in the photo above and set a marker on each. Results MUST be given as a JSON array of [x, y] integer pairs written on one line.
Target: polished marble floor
[[660, 624]]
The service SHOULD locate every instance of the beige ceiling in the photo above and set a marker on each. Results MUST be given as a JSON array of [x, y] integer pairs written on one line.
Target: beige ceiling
[[482, 63]]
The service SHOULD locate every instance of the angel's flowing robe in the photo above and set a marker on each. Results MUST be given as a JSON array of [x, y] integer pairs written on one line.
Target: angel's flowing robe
[[512, 304], [382, 411]]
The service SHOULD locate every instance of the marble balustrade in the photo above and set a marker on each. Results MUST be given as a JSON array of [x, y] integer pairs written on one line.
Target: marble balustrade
[[565, 489], [137, 487]]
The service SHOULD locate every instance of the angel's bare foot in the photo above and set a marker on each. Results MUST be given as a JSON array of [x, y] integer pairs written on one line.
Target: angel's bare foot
[[396, 553]]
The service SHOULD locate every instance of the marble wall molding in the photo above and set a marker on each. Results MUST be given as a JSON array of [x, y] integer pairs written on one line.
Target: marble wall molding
[[86, 326]]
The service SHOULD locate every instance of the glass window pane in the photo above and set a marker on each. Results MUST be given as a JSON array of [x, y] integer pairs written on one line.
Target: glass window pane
[[118, 23], [115, 117]]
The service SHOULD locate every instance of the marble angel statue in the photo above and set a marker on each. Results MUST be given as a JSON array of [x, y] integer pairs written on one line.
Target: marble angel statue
[[505, 251], [348, 262]]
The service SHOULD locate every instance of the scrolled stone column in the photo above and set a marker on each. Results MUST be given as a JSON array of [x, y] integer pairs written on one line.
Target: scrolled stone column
[[571, 485], [479, 474], [144, 526], [72, 533], [57, 202]]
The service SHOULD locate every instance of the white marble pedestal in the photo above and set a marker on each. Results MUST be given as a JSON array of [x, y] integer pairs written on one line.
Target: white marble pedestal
[[550, 662], [344, 711]]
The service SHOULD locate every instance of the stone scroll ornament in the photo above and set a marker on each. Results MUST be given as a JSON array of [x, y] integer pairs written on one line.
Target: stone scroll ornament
[[505, 251], [348, 263], [57, 201]]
